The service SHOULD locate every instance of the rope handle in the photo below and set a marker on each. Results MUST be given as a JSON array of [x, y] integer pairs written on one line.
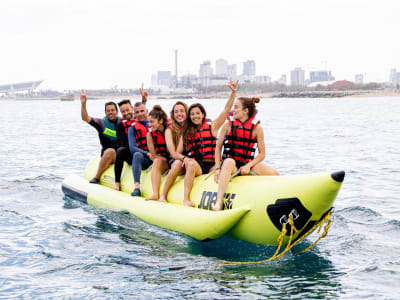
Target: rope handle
[[326, 219]]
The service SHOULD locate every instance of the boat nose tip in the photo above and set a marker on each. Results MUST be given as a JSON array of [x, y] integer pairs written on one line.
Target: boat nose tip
[[338, 176]]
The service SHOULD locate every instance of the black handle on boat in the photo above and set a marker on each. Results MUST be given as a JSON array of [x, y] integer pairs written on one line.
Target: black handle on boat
[[149, 169]]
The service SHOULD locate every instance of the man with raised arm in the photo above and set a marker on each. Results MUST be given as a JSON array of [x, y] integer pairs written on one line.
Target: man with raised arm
[[106, 129]]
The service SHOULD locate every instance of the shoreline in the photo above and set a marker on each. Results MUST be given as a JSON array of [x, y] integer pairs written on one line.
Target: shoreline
[[276, 95]]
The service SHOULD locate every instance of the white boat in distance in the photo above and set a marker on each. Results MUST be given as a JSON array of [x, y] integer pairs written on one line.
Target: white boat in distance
[[67, 96]]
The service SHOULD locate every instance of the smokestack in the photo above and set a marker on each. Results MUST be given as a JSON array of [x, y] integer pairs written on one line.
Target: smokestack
[[176, 68], [176, 64]]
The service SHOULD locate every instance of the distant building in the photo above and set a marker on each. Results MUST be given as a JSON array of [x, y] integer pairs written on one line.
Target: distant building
[[205, 73], [164, 78], [218, 81], [188, 81], [323, 75], [262, 79], [221, 68], [359, 79], [394, 77], [28, 86], [249, 68], [342, 84], [297, 77], [154, 79], [232, 71]]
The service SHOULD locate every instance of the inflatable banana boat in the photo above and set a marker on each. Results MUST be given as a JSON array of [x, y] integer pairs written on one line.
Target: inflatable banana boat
[[255, 207]]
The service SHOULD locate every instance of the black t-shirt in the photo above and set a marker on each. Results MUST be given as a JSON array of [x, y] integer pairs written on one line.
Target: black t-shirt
[[104, 141]]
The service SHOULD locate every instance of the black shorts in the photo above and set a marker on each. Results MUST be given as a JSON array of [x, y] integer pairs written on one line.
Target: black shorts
[[240, 164], [104, 149], [206, 166], [170, 162]]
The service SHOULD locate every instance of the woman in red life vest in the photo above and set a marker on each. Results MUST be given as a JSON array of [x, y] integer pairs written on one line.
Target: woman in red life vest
[[173, 133], [240, 135], [198, 142], [157, 147]]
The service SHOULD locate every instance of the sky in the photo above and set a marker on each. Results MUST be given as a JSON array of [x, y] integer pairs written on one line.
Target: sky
[[105, 43]]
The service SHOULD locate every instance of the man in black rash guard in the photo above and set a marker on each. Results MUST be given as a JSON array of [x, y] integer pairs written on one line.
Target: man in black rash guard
[[123, 152], [106, 128]]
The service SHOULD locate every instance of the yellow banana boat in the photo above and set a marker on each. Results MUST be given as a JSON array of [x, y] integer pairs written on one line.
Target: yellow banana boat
[[255, 206]]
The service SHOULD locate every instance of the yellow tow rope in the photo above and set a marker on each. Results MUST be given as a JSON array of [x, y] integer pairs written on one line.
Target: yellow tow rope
[[326, 219]]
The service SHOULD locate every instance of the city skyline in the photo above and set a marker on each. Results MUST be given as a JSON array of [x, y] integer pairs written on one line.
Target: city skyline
[[100, 44]]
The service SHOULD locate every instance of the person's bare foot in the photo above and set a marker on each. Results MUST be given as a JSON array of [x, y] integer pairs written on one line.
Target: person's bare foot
[[152, 197], [117, 186], [188, 203], [162, 199], [217, 207]]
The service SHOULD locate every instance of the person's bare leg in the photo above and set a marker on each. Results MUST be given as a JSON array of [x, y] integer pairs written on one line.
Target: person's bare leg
[[193, 169], [117, 186], [106, 160], [176, 169], [263, 169], [228, 168], [159, 167]]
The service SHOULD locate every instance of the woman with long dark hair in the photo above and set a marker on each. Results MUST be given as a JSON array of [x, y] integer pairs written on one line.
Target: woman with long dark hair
[[173, 133], [196, 147], [157, 147], [240, 135]]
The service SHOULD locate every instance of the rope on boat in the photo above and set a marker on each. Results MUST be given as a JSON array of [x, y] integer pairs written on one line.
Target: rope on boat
[[326, 219]]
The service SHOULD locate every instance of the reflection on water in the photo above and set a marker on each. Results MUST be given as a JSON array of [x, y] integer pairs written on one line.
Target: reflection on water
[[52, 246]]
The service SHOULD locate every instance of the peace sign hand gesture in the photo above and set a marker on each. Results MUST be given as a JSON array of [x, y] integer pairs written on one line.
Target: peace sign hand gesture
[[233, 85], [84, 96], [144, 95]]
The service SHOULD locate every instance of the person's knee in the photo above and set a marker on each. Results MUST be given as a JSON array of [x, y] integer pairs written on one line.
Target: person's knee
[[109, 153], [120, 151], [229, 163], [137, 157], [191, 166], [157, 162], [177, 165]]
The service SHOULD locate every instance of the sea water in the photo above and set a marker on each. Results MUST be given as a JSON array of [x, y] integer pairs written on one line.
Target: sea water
[[56, 247]]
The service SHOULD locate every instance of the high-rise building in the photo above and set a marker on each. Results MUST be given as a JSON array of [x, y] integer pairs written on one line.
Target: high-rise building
[[164, 78], [249, 68], [394, 77], [205, 73], [297, 77], [174, 80], [205, 69], [154, 79], [359, 79], [221, 68], [232, 71], [316, 76]]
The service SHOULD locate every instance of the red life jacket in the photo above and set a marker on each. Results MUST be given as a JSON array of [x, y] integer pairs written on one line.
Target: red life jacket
[[140, 135], [159, 143], [127, 124], [240, 143], [202, 144]]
